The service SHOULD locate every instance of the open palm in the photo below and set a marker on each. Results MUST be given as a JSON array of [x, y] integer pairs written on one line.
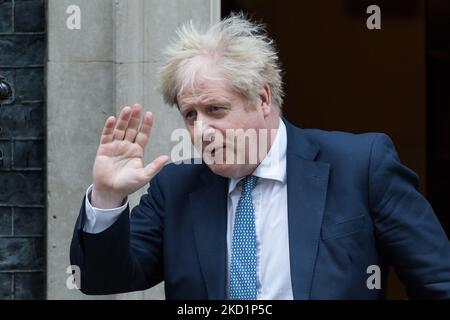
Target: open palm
[[119, 168]]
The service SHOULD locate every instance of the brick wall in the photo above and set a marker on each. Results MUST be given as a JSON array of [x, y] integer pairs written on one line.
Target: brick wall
[[22, 133]]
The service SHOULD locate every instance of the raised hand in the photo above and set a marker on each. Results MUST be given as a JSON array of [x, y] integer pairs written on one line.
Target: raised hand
[[119, 168]]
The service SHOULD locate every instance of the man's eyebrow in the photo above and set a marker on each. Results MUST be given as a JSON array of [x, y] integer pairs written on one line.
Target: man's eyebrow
[[216, 101], [206, 101]]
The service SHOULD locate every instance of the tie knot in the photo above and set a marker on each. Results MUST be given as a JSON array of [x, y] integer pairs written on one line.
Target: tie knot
[[248, 184]]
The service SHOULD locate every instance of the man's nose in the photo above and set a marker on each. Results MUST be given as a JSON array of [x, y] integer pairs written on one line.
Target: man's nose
[[205, 128]]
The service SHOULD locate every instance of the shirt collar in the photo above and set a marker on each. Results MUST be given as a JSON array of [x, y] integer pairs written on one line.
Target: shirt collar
[[273, 166]]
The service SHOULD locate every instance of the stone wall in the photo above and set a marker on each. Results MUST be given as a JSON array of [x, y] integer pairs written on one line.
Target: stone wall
[[111, 61], [22, 156]]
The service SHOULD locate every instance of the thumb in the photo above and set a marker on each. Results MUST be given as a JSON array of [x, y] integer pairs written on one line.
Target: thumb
[[155, 166]]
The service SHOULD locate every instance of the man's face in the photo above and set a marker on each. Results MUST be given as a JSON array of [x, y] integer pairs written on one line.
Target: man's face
[[210, 110]]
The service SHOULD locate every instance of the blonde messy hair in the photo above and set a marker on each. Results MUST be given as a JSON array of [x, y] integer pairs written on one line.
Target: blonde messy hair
[[241, 51]]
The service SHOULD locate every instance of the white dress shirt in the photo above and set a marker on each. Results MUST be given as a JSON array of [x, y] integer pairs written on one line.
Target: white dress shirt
[[271, 221]]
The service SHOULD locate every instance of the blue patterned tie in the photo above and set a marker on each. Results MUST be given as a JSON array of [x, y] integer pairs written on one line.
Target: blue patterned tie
[[243, 246]]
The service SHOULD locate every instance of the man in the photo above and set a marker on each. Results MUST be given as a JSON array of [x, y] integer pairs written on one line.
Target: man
[[310, 218]]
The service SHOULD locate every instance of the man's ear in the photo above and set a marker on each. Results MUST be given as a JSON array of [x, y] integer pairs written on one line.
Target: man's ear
[[266, 100]]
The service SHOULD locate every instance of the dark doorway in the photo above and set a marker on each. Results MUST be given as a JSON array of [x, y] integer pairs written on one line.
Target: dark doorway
[[438, 108], [340, 75]]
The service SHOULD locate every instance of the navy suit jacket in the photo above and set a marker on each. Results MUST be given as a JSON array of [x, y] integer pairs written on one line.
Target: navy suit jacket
[[351, 205]]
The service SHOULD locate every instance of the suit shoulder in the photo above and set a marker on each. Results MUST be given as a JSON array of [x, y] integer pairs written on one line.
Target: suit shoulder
[[181, 171], [341, 136], [335, 143], [179, 176]]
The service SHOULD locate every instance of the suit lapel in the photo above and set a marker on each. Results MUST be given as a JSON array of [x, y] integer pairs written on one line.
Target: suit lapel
[[307, 182], [209, 209]]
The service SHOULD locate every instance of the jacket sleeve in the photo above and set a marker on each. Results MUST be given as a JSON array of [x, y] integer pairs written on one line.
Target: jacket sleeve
[[407, 230], [128, 255]]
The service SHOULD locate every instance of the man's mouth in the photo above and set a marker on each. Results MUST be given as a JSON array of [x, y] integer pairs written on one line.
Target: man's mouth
[[216, 150]]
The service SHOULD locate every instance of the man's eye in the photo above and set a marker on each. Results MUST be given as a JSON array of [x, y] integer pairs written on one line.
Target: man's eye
[[214, 109], [190, 115]]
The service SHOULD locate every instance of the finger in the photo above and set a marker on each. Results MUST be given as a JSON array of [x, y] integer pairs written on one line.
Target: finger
[[122, 123], [144, 130], [108, 129], [133, 125], [154, 167]]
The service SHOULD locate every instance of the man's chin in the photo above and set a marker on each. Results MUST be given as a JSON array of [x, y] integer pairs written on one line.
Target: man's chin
[[231, 171]]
